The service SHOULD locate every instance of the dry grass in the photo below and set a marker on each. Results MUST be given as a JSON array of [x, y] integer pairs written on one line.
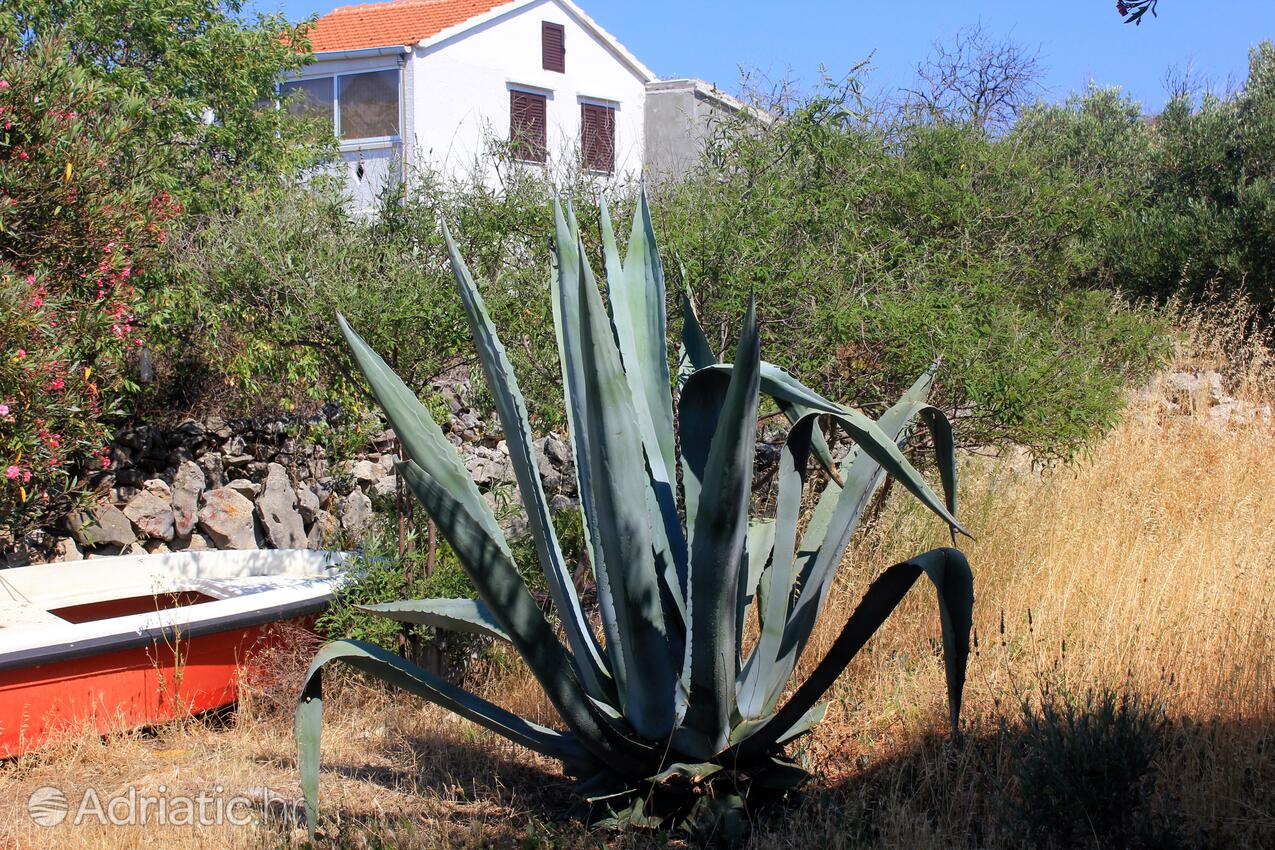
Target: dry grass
[[1145, 568]]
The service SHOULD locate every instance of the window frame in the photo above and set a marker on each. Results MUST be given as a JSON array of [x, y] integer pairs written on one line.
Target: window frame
[[613, 108], [544, 98], [359, 142], [545, 26]]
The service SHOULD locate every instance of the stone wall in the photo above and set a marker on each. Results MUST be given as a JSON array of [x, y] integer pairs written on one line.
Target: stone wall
[[256, 483]]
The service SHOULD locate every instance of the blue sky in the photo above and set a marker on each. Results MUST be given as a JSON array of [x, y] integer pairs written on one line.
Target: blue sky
[[1078, 40]]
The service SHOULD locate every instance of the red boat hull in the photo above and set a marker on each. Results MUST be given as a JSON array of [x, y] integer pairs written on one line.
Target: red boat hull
[[128, 688]]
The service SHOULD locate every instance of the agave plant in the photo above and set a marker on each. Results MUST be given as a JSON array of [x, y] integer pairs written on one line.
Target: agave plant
[[677, 713]]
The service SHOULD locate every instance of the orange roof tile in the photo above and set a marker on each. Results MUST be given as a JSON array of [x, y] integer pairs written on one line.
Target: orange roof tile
[[393, 23]]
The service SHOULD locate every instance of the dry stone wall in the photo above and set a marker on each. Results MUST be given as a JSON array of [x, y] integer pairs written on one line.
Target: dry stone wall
[[256, 483]]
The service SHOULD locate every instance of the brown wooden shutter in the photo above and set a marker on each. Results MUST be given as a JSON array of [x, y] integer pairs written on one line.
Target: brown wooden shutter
[[527, 131], [597, 137], [553, 47]]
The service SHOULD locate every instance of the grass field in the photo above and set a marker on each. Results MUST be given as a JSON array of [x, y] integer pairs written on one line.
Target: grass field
[[1120, 695]]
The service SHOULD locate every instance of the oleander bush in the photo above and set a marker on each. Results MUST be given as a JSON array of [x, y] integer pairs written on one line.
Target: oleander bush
[[78, 232]]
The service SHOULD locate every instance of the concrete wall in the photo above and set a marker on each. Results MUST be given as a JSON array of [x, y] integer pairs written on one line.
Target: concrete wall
[[462, 88], [681, 116]]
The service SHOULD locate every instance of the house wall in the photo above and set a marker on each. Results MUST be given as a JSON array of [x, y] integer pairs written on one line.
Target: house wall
[[462, 87], [681, 117], [381, 161]]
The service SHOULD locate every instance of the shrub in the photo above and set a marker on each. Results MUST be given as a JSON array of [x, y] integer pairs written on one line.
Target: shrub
[[1086, 769], [78, 232]]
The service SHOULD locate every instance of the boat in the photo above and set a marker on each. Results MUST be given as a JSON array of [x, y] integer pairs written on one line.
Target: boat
[[118, 643]]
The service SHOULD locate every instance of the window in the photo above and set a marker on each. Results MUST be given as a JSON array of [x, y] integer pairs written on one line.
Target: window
[[527, 126], [369, 105], [357, 106], [553, 47], [308, 98], [597, 137]]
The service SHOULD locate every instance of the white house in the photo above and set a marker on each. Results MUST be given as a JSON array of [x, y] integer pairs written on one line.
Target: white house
[[433, 82]]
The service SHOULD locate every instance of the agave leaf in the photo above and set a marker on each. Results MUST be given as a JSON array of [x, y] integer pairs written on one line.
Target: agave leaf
[[833, 522], [506, 596], [522, 455], [818, 443], [685, 770], [693, 351], [717, 551], [455, 615], [783, 387], [420, 434], [397, 671], [636, 298], [752, 685], [699, 409], [760, 545], [950, 572], [628, 584], [781, 774], [809, 721]]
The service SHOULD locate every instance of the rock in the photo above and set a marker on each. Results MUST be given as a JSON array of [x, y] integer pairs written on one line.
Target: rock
[[386, 462], [66, 550], [227, 519], [217, 427], [188, 484], [561, 503], [277, 510], [157, 547], [159, 488], [307, 504], [214, 467], [1196, 389], [104, 525], [366, 473], [195, 543], [556, 450], [487, 466], [1239, 412], [152, 514], [384, 487], [245, 488], [324, 530], [356, 513]]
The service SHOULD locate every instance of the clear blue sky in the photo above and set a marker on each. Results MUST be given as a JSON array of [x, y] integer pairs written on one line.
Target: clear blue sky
[[1079, 40]]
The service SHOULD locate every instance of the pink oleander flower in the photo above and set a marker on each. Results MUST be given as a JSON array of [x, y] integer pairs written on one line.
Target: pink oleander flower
[[26, 477], [4, 410], [22, 353], [4, 84], [12, 472], [57, 384]]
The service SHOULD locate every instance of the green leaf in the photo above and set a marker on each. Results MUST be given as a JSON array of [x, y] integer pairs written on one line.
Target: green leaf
[[495, 577], [950, 573], [387, 666], [522, 455], [470, 616], [628, 584], [635, 291], [717, 548], [420, 435], [699, 409], [694, 353], [828, 533], [753, 683]]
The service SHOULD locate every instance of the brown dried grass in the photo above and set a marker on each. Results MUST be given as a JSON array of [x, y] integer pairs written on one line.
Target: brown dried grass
[[1144, 567]]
